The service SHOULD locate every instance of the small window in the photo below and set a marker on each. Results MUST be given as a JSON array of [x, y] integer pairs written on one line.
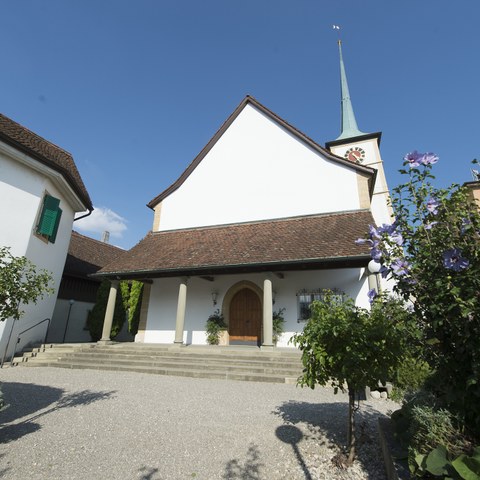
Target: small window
[[49, 219], [306, 297]]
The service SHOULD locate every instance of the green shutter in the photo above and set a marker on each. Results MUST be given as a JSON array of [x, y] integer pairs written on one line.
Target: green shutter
[[53, 236], [48, 224]]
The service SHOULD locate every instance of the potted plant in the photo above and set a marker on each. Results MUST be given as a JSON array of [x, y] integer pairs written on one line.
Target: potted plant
[[214, 327]]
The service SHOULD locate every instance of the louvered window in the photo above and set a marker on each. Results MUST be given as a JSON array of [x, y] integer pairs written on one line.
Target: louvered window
[[49, 218]]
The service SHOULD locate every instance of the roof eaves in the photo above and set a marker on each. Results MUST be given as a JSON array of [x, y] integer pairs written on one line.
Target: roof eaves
[[218, 268]]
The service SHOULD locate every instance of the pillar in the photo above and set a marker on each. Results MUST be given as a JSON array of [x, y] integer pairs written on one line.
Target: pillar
[[267, 315], [181, 306], [107, 322]]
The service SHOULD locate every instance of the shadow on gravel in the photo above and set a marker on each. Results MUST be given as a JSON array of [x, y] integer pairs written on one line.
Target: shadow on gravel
[[34, 401], [250, 470], [327, 422], [147, 473], [3, 471], [293, 436]]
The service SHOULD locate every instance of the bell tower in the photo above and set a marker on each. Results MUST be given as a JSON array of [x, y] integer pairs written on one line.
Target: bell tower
[[360, 147]]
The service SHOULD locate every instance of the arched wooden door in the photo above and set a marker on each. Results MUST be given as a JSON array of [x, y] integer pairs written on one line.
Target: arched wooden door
[[245, 320]]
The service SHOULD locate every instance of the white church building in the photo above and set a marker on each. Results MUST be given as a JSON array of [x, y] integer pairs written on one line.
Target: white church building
[[262, 220]]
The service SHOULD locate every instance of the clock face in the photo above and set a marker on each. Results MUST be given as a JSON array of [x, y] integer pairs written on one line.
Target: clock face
[[355, 154]]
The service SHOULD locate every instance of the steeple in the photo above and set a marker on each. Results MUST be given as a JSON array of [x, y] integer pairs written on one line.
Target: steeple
[[349, 124]]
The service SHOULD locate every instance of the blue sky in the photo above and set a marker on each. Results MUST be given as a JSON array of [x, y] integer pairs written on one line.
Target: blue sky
[[135, 89]]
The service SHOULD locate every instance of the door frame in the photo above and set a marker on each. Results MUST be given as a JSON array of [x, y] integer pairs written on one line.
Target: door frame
[[231, 293]]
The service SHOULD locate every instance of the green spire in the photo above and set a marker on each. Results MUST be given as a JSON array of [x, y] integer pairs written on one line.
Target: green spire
[[349, 124]]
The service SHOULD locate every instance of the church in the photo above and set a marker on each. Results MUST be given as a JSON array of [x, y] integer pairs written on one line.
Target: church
[[261, 221]]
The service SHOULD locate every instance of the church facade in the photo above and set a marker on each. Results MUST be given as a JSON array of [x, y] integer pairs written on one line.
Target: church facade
[[260, 222]]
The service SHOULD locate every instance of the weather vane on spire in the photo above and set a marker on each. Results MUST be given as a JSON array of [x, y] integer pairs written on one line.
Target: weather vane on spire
[[337, 28]]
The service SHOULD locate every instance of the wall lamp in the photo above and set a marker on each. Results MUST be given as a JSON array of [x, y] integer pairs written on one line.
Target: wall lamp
[[214, 296]]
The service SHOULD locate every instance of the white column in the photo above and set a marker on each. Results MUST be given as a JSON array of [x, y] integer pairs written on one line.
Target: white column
[[267, 314], [107, 322], [181, 306]]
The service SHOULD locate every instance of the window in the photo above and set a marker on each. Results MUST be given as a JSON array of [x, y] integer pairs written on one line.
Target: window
[[49, 220], [306, 297]]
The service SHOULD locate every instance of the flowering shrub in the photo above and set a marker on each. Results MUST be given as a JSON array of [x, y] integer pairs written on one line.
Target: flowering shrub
[[432, 251]]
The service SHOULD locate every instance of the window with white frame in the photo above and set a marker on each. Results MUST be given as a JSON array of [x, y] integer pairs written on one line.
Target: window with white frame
[[305, 298]]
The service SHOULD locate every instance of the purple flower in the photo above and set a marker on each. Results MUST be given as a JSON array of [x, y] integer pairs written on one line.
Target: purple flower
[[371, 295], [465, 223], [376, 254], [429, 158], [432, 205], [388, 229], [400, 267], [363, 241], [413, 158], [373, 232], [453, 260], [429, 226], [397, 238], [384, 271]]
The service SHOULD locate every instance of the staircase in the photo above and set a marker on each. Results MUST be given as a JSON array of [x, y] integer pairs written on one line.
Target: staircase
[[219, 362]]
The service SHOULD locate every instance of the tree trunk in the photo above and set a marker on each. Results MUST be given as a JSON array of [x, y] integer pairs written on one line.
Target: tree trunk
[[351, 426]]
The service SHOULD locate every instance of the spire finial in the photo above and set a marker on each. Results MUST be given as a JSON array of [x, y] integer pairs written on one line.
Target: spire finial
[[349, 126]]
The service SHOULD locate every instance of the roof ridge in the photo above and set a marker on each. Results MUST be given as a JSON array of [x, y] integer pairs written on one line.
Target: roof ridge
[[109, 245], [39, 137]]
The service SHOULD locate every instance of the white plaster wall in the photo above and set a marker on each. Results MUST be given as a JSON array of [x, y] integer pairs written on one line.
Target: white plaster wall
[[258, 170], [164, 294], [23, 190], [381, 211]]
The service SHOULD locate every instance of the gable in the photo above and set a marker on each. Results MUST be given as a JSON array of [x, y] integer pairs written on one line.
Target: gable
[[258, 167]]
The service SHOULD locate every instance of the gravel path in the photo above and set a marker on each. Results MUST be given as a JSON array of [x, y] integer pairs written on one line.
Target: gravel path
[[86, 424]]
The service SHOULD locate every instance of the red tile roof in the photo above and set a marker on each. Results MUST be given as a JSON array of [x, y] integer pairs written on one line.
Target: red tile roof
[[301, 136], [316, 241], [87, 255], [45, 152]]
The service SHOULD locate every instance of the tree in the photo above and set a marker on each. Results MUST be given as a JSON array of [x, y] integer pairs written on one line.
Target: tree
[[352, 348], [127, 306], [432, 251], [20, 283]]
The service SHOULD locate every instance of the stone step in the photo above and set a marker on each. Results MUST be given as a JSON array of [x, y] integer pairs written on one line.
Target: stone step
[[203, 373], [242, 363], [193, 358], [259, 367]]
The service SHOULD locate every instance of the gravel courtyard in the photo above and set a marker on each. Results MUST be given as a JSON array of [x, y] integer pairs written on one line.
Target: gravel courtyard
[[86, 424]]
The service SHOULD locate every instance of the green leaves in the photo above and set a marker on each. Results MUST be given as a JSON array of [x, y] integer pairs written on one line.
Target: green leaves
[[20, 283]]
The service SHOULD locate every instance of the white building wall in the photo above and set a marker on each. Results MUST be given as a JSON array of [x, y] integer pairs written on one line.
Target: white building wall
[[22, 190], [164, 294], [258, 170]]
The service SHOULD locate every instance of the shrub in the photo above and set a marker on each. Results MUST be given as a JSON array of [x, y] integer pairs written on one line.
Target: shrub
[[96, 316], [278, 324], [409, 377], [215, 324], [432, 251]]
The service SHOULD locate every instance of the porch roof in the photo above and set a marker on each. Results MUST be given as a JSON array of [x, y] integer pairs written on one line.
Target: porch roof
[[296, 243]]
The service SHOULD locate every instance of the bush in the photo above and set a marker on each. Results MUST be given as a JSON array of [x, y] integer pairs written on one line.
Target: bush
[[215, 324], [278, 324], [96, 316], [409, 377]]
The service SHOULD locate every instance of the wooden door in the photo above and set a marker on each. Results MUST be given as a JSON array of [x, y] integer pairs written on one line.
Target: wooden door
[[245, 322]]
